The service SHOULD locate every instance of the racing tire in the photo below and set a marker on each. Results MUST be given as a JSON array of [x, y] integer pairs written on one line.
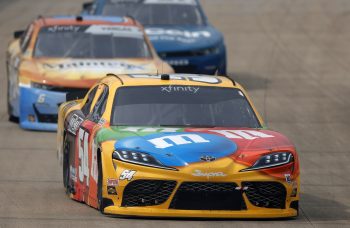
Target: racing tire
[[298, 211], [12, 118], [66, 171], [100, 199], [295, 206]]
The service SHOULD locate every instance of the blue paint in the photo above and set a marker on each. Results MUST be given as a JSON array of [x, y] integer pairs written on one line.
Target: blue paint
[[29, 101]]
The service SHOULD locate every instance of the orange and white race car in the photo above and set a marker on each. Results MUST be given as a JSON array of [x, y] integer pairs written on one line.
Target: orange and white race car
[[61, 54]]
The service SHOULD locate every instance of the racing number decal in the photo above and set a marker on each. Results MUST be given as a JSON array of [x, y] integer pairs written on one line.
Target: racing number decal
[[127, 175], [84, 156]]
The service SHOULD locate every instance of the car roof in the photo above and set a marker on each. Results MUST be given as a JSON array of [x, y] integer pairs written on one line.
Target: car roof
[[84, 20], [174, 79], [100, 4]]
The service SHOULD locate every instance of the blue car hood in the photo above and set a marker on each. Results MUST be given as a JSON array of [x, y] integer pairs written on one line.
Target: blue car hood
[[183, 38], [179, 149]]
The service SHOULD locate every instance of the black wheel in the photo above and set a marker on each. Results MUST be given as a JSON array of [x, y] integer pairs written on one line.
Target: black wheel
[[101, 204], [66, 171], [298, 211], [12, 118], [9, 108], [295, 206]]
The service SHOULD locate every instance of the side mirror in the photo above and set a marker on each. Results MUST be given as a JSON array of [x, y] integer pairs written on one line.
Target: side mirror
[[87, 6], [76, 95], [18, 34]]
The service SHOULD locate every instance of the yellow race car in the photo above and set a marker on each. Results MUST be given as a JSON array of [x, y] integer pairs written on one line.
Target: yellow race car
[[175, 146]]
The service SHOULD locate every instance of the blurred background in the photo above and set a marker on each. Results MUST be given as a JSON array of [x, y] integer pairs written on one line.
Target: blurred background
[[293, 57]]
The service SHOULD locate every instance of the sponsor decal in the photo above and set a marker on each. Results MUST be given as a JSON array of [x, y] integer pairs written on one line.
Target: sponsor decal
[[176, 32], [174, 140], [127, 175], [185, 147], [112, 182], [93, 64], [185, 77], [208, 158], [116, 30], [74, 124], [199, 173], [175, 35], [62, 28], [184, 89], [242, 134], [111, 190], [288, 178]]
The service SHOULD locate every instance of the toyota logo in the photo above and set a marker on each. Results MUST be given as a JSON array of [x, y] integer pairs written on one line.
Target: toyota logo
[[208, 158]]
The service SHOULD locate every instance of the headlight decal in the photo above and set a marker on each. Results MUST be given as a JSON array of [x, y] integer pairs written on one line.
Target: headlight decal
[[271, 160], [139, 158]]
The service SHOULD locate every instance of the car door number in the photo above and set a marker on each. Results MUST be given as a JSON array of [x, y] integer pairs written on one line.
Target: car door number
[[84, 156]]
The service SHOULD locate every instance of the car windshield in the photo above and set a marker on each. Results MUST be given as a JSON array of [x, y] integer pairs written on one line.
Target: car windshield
[[188, 106], [157, 12], [91, 41]]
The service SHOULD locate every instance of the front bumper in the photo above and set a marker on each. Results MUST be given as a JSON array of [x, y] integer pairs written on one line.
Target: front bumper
[[162, 202], [152, 212], [39, 108]]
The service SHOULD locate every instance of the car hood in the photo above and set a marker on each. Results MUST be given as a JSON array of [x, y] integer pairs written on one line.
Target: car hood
[[183, 38], [178, 147], [82, 72]]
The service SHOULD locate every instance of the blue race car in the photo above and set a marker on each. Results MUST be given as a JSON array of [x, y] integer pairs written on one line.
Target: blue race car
[[178, 29]]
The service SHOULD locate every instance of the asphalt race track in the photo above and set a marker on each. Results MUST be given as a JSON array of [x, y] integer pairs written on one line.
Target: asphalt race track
[[293, 56]]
